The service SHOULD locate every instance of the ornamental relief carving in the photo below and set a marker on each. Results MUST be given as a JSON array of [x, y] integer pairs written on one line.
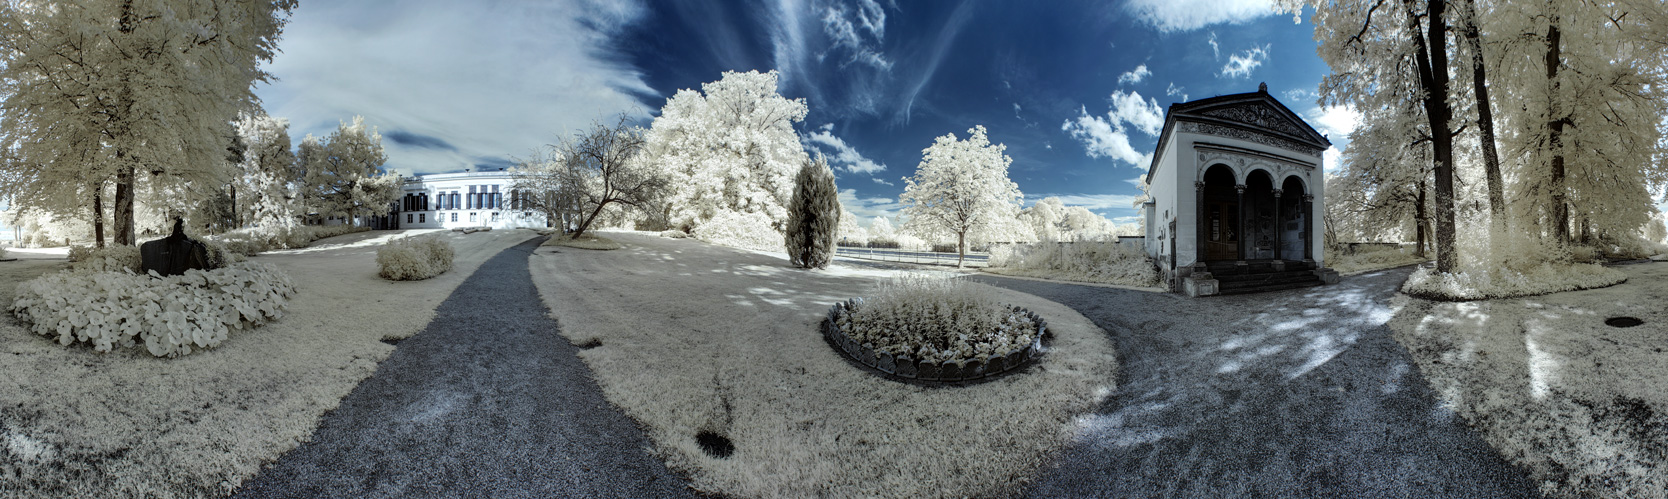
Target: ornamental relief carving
[[1257, 114], [1243, 165], [1248, 136]]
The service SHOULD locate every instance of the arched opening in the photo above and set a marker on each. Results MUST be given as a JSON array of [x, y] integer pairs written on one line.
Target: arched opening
[[1219, 213], [1294, 231], [1259, 216]]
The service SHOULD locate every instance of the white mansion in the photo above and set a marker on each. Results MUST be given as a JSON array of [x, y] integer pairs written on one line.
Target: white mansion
[[465, 199]]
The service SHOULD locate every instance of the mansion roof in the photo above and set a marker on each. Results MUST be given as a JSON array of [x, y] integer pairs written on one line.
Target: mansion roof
[[1256, 116]]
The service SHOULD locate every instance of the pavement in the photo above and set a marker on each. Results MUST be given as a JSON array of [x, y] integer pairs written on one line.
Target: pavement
[[488, 401], [1299, 393]]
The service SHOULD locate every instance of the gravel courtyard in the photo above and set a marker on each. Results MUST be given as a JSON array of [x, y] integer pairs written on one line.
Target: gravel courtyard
[[1300, 393]]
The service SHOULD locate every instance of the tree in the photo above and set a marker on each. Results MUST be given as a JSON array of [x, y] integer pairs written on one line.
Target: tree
[[1044, 218], [1391, 59], [267, 173], [541, 183], [603, 167], [730, 147], [103, 92], [880, 229], [342, 173], [813, 216], [850, 231], [961, 187]]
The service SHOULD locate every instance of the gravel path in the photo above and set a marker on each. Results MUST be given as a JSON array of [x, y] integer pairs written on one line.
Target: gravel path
[[1300, 393], [488, 401]]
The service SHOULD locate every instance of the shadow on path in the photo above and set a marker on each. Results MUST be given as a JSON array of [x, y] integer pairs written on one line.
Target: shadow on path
[[487, 401], [1300, 393]]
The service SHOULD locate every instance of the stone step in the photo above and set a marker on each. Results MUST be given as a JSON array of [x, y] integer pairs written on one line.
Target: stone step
[[1263, 289], [1270, 278]]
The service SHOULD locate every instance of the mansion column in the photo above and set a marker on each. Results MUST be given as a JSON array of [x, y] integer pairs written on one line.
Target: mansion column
[[1279, 229], [1199, 232], [1240, 208], [1308, 227]]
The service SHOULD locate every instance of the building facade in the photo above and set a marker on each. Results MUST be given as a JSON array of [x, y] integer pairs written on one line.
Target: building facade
[[466, 199], [1235, 189]]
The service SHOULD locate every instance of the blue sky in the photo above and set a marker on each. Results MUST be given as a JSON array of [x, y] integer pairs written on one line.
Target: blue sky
[[1075, 89]]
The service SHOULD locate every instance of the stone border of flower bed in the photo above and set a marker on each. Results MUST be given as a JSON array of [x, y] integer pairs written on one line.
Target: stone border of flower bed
[[908, 368]]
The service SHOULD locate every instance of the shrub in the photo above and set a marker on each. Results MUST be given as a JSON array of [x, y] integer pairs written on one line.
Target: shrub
[[674, 234], [1507, 283], [938, 320], [740, 230], [945, 248], [414, 258], [1102, 261], [813, 216], [117, 258], [250, 242], [884, 244], [171, 315]]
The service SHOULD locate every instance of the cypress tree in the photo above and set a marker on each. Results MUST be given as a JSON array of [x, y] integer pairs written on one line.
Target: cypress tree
[[813, 216]]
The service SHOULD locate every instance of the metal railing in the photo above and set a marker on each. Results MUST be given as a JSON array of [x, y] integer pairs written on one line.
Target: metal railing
[[924, 256]]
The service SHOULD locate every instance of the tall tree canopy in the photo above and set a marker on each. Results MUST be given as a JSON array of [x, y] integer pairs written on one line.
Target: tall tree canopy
[[104, 92], [342, 173], [729, 147]]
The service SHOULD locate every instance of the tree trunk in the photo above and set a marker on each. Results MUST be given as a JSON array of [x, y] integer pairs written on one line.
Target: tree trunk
[[961, 247], [583, 224], [98, 215], [1432, 59], [123, 217], [1485, 120], [1555, 132], [1420, 218]]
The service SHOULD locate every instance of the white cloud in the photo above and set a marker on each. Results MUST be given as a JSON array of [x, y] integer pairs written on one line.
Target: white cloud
[[1336, 122], [463, 73], [1145, 115], [880, 181], [842, 28], [1111, 206], [1333, 159], [841, 156], [1135, 75], [1101, 139], [1188, 15], [1175, 91], [1299, 95], [1138, 181], [1215, 49], [868, 208], [1242, 64]]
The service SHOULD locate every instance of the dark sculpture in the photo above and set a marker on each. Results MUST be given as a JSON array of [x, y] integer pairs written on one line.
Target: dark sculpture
[[175, 254]]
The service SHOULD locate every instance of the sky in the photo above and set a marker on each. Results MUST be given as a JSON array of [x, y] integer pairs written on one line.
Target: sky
[[1075, 89]]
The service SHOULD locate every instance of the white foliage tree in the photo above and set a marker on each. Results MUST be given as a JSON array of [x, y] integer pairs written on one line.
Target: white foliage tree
[[266, 186], [730, 147], [961, 189], [342, 173], [881, 229], [115, 92], [850, 231]]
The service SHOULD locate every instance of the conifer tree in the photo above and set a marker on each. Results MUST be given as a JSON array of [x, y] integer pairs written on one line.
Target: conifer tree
[[813, 216]]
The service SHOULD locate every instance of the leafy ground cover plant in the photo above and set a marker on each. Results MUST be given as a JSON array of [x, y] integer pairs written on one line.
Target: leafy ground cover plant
[[1087, 261], [86, 259], [938, 320], [172, 315], [414, 258]]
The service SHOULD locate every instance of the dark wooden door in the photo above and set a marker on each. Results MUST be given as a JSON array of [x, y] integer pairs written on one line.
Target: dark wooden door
[[1221, 231]]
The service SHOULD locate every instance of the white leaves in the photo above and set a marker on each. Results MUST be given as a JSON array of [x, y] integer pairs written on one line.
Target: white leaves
[[960, 188], [169, 314], [412, 259]]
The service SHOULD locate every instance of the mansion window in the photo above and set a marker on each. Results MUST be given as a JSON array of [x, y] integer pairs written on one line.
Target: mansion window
[[421, 218], [471, 216], [454, 215]]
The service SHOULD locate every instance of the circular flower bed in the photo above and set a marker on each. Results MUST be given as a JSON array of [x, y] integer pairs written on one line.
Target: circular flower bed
[[936, 330]]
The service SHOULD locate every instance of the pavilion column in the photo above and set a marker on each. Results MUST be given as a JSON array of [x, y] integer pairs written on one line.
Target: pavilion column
[[1279, 229], [1199, 234], [1240, 208], [1308, 227]]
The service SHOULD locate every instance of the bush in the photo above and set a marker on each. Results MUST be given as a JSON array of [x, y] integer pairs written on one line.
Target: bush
[[674, 234], [170, 314], [740, 230], [1104, 261], [414, 258], [251, 242], [84, 259], [1506, 283], [945, 248], [938, 320], [884, 244]]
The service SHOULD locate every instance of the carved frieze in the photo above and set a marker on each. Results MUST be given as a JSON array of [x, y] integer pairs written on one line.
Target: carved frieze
[[1257, 114], [1247, 135]]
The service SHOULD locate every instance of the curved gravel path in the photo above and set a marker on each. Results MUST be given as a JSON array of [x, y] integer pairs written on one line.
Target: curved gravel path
[[488, 401], [1300, 393]]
